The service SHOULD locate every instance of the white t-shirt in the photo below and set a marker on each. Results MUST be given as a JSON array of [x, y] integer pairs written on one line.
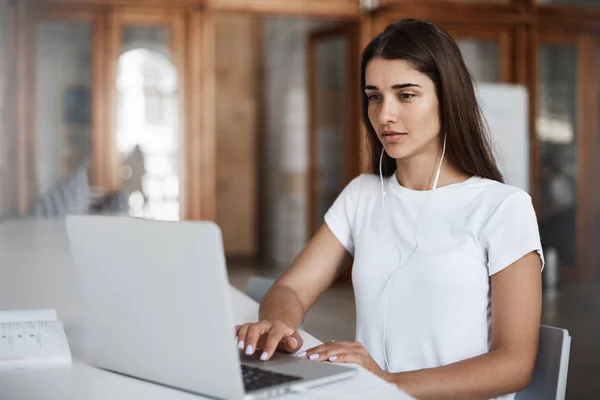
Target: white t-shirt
[[438, 305]]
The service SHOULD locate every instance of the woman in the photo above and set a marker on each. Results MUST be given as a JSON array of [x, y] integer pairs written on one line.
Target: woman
[[447, 258]]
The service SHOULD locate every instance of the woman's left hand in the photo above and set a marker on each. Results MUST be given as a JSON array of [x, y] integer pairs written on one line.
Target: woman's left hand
[[345, 352]]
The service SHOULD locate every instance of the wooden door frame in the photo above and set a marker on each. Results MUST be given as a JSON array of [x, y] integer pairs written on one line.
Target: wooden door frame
[[442, 12], [338, 9], [500, 34], [327, 10], [586, 106], [314, 8], [105, 44], [201, 117], [96, 17], [198, 103], [30, 14], [174, 20], [349, 31]]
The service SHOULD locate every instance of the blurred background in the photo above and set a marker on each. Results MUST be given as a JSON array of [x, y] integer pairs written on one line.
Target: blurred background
[[247, 112]]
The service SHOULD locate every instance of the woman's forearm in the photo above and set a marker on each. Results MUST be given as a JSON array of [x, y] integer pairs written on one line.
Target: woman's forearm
[[484, 377], [281, 303]]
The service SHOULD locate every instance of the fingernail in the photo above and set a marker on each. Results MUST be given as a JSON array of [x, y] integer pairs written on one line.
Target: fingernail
[[264, 356], [313, 356], [301, 354], [241, 344], [249, 350], [332, 358], [295, 341]]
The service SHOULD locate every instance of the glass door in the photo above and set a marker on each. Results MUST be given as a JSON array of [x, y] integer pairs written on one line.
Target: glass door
[[333, 128], [565, 150], [147, 146], [57, 84]]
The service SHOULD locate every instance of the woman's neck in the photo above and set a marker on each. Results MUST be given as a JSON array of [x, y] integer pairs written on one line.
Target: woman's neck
[[418, 172]]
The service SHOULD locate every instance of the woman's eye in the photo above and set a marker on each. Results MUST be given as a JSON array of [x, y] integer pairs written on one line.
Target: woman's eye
[[373, 97], [406, 96]]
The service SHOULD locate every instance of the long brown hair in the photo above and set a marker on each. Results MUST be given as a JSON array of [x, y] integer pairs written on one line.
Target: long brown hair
[[431, 51]]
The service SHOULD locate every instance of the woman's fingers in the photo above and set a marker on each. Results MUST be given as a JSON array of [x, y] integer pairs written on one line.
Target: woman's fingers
[[255, 331], [267, 336], [241, 335], [292, 343], [349, 358], [328, 351], [277, 334]]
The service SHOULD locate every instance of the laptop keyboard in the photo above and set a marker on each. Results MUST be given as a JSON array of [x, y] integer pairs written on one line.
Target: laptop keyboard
[[256, 378]]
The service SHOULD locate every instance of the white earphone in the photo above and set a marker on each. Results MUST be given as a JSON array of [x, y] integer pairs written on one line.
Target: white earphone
[[400, 263], [383, 193]]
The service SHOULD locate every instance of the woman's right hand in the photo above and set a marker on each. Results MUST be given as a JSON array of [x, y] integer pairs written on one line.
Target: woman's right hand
[[267, 336]]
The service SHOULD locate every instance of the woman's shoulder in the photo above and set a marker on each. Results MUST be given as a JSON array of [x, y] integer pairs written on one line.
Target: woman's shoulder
[[365, 183], [495, 193], [494, 187], [361, 188]]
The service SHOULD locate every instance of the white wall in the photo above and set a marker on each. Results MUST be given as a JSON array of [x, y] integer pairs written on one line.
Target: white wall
[[505, 108]]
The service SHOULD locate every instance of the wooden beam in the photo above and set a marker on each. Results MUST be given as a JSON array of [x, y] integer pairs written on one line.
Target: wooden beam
[[25, 111], [306, 8], [521, 59], [148, 16], [194, 116], [572, 18], [208, 148], [108, 166], [366, 34], [472, 13], [201, 139], [57, 12], [354, 125], [507, 59], [128, 3], [531, 79], [313, 162], [100, 127], [587, 149], [262, 210]]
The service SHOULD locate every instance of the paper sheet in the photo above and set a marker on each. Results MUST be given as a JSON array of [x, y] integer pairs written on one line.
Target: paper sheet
[[32, 343], [27, 315]]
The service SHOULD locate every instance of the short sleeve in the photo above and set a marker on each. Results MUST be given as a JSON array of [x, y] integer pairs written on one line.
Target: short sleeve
[[511, 232], [340, 216]]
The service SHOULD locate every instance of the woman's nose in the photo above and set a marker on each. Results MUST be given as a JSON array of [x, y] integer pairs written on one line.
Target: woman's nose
[[388, 113]]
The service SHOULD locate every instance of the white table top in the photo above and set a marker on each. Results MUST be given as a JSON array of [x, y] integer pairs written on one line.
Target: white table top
[[36, 272]]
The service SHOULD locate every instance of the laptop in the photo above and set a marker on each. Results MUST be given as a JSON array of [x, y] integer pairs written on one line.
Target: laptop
[[156, 302]]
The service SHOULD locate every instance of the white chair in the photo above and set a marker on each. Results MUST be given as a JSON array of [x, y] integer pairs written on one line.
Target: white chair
[[549, 380]]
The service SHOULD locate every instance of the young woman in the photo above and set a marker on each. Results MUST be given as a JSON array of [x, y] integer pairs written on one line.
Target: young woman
[[447, 257]]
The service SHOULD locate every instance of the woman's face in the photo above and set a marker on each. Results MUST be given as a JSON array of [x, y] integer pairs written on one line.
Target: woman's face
[[403, 108]]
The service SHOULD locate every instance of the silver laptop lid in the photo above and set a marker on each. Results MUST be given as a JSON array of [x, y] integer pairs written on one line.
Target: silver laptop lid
[[156, 301]]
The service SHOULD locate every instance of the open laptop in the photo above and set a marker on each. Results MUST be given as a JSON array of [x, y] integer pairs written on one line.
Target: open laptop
[[156, 302]]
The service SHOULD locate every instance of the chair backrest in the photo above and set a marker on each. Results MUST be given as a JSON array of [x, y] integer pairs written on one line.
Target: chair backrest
[[549, 380], [258, 287]]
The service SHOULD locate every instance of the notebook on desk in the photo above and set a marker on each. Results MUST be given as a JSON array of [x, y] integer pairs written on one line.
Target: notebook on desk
[[32, 338], [156, 302]]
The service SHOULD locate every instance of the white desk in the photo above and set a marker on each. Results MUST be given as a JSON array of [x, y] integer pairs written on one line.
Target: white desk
[[36, 272]]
